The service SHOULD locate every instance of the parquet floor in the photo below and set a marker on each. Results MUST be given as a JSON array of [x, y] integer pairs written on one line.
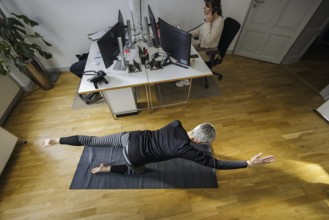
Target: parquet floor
[[263, 108]]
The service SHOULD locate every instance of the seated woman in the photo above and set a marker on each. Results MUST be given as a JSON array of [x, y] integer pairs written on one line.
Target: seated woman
[[208, 33]]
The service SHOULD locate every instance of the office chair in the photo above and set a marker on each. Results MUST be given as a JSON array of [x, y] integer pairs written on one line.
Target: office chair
[[78, 70], [230, 29]]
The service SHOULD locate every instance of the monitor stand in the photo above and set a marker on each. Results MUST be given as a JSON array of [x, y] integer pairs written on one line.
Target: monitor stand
[[118, 65], [155, 65], [148, 39], [130, 43], [167, 61], [154, 43], [121, 64]]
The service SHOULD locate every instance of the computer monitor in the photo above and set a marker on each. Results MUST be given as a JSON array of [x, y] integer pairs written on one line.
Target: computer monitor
[[122, 26], [109, 46], [120, 17], [155, 39], [175, 42]]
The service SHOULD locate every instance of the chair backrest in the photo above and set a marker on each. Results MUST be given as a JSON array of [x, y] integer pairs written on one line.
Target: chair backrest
[[230, 29]]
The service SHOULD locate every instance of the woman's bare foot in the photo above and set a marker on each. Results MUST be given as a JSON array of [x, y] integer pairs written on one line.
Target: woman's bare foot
[[101, 169], [50, 141]]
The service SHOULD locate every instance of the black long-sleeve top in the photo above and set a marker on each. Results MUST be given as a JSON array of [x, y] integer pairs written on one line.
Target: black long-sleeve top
[[169, 142]]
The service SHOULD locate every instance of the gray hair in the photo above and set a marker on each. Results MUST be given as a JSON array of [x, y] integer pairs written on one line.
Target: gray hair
[[204, 133]]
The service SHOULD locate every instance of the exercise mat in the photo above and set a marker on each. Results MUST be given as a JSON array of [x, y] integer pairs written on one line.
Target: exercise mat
[[174, 173]]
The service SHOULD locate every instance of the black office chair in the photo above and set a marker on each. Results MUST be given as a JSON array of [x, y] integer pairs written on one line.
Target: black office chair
[[78, 70], [230, 29]]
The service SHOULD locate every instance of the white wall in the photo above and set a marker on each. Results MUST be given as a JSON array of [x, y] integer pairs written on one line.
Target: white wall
[[324, 110], [8, 91], [66, 23], [8, 142]]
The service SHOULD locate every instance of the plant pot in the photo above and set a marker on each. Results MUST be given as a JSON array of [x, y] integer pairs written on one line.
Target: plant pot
[[38, 75]]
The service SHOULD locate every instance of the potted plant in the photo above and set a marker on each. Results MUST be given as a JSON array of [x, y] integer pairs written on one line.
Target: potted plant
[[19, 48]]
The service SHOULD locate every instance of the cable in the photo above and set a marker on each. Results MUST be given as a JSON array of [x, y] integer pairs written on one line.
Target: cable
[[195, 27], [89, 71]]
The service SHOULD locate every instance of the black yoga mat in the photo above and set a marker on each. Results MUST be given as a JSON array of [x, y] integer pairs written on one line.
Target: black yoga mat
[[174, 173]]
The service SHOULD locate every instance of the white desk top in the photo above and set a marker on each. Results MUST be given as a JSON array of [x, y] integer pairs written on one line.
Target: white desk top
[[175, 73], [117, 79], [123, 79]]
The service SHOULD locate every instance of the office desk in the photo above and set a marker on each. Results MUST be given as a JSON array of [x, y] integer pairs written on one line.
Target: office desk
[[173, 73], [119, 94], [117, 79]]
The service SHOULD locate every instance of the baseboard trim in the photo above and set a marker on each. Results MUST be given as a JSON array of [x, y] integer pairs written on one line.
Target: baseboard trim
[[58, 70], [55, 73]]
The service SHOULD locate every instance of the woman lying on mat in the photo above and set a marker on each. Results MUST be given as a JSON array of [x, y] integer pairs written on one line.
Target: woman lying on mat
[[171, 141]]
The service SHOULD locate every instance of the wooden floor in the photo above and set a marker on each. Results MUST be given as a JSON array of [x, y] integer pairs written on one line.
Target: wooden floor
[[263, 108]]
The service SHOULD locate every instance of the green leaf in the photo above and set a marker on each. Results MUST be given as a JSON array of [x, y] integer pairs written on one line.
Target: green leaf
[[46, 42], [11, 29], [45, 54], [20, 65], [14, 22], [41, 52], [15, 44], [36, 47], [24, 51], [37, 35], [26, 20]]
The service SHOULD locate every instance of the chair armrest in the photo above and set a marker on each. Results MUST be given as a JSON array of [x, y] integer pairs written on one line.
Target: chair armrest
[[215, 57], [212, 52]]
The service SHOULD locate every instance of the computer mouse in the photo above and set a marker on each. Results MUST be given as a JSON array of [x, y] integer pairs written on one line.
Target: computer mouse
[[94, 63], [101, 73]]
